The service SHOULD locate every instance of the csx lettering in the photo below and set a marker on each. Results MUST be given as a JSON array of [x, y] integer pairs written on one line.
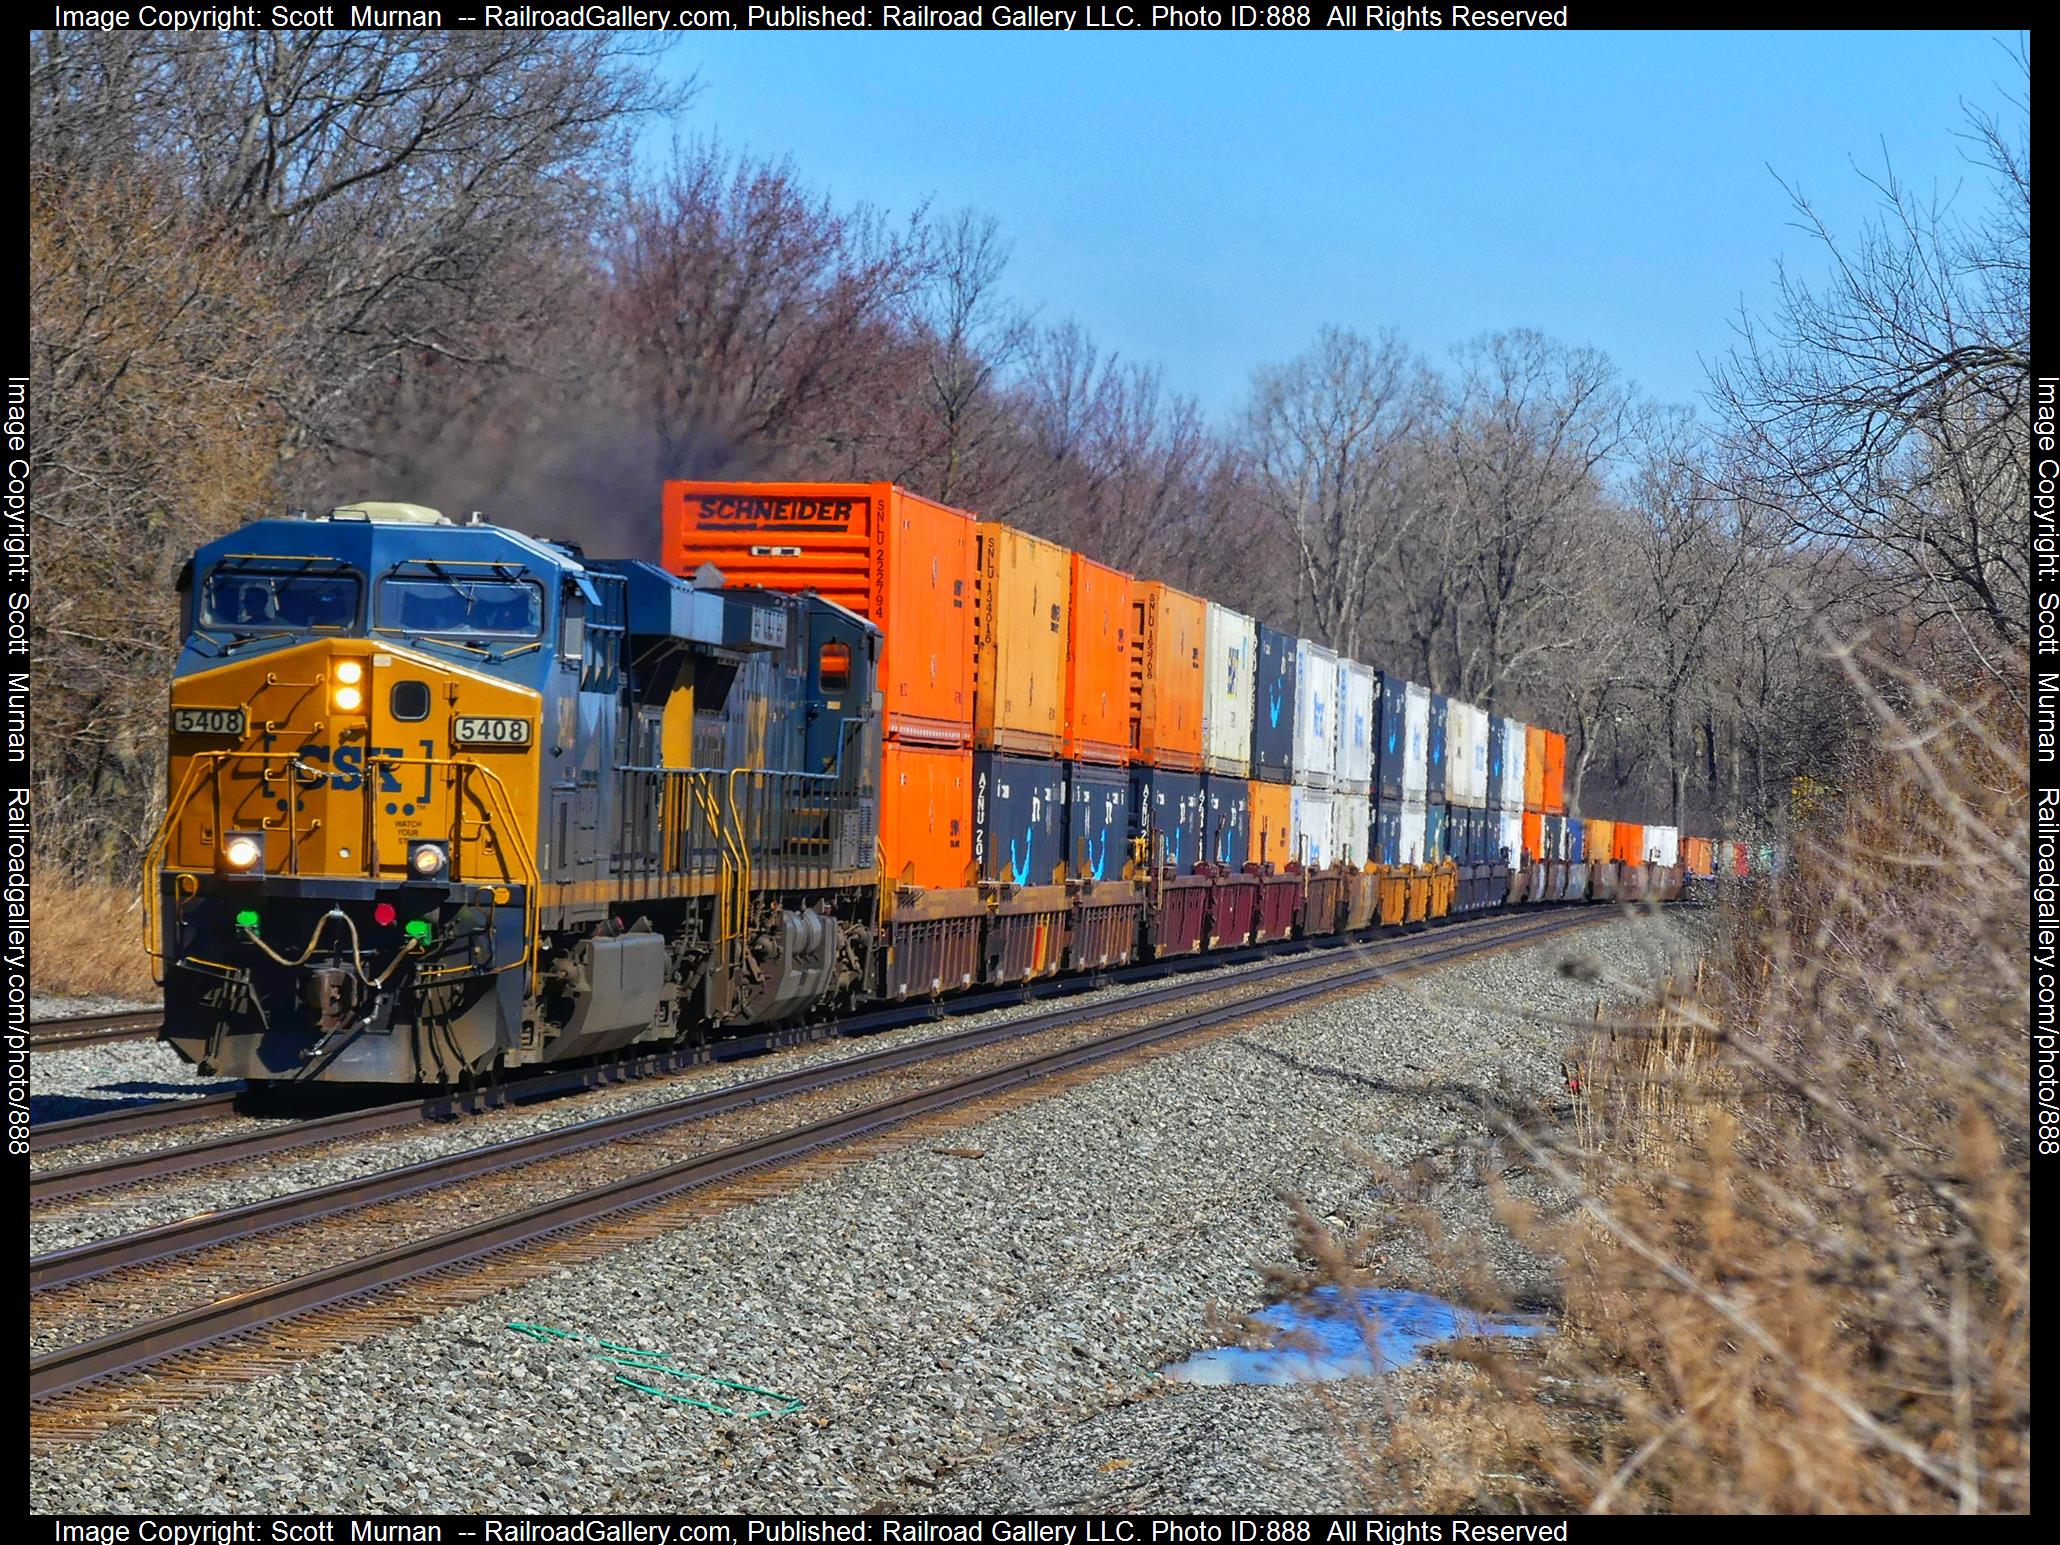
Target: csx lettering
[[748, 510]]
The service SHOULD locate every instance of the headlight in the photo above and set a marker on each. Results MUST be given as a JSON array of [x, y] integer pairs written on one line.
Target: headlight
[[427, 860], [350, 672], [242, 852], [349, 699]]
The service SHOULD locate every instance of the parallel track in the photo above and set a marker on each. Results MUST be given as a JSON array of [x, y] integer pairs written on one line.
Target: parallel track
[[76, 1180], [93, 1029], [139, 1346]]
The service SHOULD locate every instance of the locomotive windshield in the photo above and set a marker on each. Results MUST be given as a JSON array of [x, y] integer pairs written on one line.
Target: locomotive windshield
[[495, 608], [258, 599]]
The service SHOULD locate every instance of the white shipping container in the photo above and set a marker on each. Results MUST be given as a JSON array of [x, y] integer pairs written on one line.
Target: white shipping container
[[1416, 726], [1233, 646], [1315, 761], [1358, 720], [1665, 842], [1309, 827], [1351, 821], [1414, 813], [1477, 764], [1458, 751], [1511, 795], [1511, 840]]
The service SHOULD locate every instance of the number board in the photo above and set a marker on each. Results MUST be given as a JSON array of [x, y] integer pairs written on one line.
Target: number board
[[208, 721], [489, 730]]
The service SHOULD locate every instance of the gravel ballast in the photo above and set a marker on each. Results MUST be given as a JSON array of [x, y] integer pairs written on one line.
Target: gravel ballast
[[966, 1332]]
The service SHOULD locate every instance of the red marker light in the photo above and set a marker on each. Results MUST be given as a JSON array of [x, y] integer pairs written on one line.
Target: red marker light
[[384, 914]]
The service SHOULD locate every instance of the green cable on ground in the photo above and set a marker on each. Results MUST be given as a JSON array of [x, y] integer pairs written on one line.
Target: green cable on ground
[[661, 1363]]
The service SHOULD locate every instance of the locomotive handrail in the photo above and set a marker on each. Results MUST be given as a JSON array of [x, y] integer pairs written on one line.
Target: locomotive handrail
[[207, 765]]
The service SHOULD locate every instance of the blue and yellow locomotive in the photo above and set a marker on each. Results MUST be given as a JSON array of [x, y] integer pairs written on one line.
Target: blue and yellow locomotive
[[447, 798]]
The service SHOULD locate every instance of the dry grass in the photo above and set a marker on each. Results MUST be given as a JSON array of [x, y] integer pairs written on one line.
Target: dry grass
[[86, 939], [1795, 1263]]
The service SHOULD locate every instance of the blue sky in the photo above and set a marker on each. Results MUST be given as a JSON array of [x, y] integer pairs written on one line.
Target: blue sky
[[1205, 202]]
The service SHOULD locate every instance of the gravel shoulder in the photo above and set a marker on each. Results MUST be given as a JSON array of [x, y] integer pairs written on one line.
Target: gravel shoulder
[[974, 1325]]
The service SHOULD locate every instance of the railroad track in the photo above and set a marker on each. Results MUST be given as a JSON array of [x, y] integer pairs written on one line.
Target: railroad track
[[501, 1233], [358, 1121], [94, 1029]]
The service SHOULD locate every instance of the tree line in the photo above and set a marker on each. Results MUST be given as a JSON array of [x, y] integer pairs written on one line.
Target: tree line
[[281, 270]]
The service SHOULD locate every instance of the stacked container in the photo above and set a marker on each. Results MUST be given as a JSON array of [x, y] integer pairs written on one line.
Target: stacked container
[[1166, 816], [1019, 818], [1477, 766], [1416, 751], [1098, 821], [1627, 842], [1351, 826], [1555, 773], [1312, 834], [1166, 641], [1386, 844], [1022, 604], [1226, 820], [1273, 707], [1509, 795], [1270, 822], [1358, 725], [1098, 664], [1316, 716], [1534, 768], [904, 563], [1228, 680], [1663, 845]]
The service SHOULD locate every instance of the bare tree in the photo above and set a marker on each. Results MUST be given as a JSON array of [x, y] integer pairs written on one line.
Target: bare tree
[[1325, 439], [1885, 405]]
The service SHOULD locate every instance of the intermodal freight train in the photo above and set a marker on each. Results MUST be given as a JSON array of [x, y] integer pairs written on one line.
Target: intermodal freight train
[[446, 798]]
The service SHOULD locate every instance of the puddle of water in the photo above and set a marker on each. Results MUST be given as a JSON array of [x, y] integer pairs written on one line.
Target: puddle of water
[[1334, 1335]]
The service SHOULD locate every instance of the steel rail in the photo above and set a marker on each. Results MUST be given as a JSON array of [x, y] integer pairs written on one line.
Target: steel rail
[[165, 1241], [94, 1029], [76, 1180], [67, 1368]]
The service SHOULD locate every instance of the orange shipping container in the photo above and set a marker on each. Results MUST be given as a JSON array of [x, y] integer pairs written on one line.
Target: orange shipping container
[[1555, 773], [1098, 664], [889, 555], [1534, 767], [1271, 813], [926, 815], [1022, 589], [1166, 676], [1627, 843], [1534, 836], [1599, 841]]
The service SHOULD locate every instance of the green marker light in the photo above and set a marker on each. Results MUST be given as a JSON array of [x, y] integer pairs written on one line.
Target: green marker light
[[247, 919], [417, 928]]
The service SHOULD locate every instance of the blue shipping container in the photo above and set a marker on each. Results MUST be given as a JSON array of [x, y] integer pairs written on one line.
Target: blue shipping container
[[1226, 820], [1498, 753], [1436, 824], [1167, 808], [1391, 736], [1097, 821], [1387, 830], [1441, 708], [1019, 817], [1273, 711]]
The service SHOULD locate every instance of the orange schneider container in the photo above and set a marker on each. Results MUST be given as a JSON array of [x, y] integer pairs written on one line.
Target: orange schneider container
[[1555, 773], [1270, 808], [889, 555], [1534, 767], [1022, 592], [1098, 664], [926, 815], [1599, 841], [1166, 676], [1534, 836], [1627, 843]]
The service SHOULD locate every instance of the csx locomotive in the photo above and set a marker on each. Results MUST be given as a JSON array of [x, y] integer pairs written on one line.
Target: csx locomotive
[[446, 798]]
